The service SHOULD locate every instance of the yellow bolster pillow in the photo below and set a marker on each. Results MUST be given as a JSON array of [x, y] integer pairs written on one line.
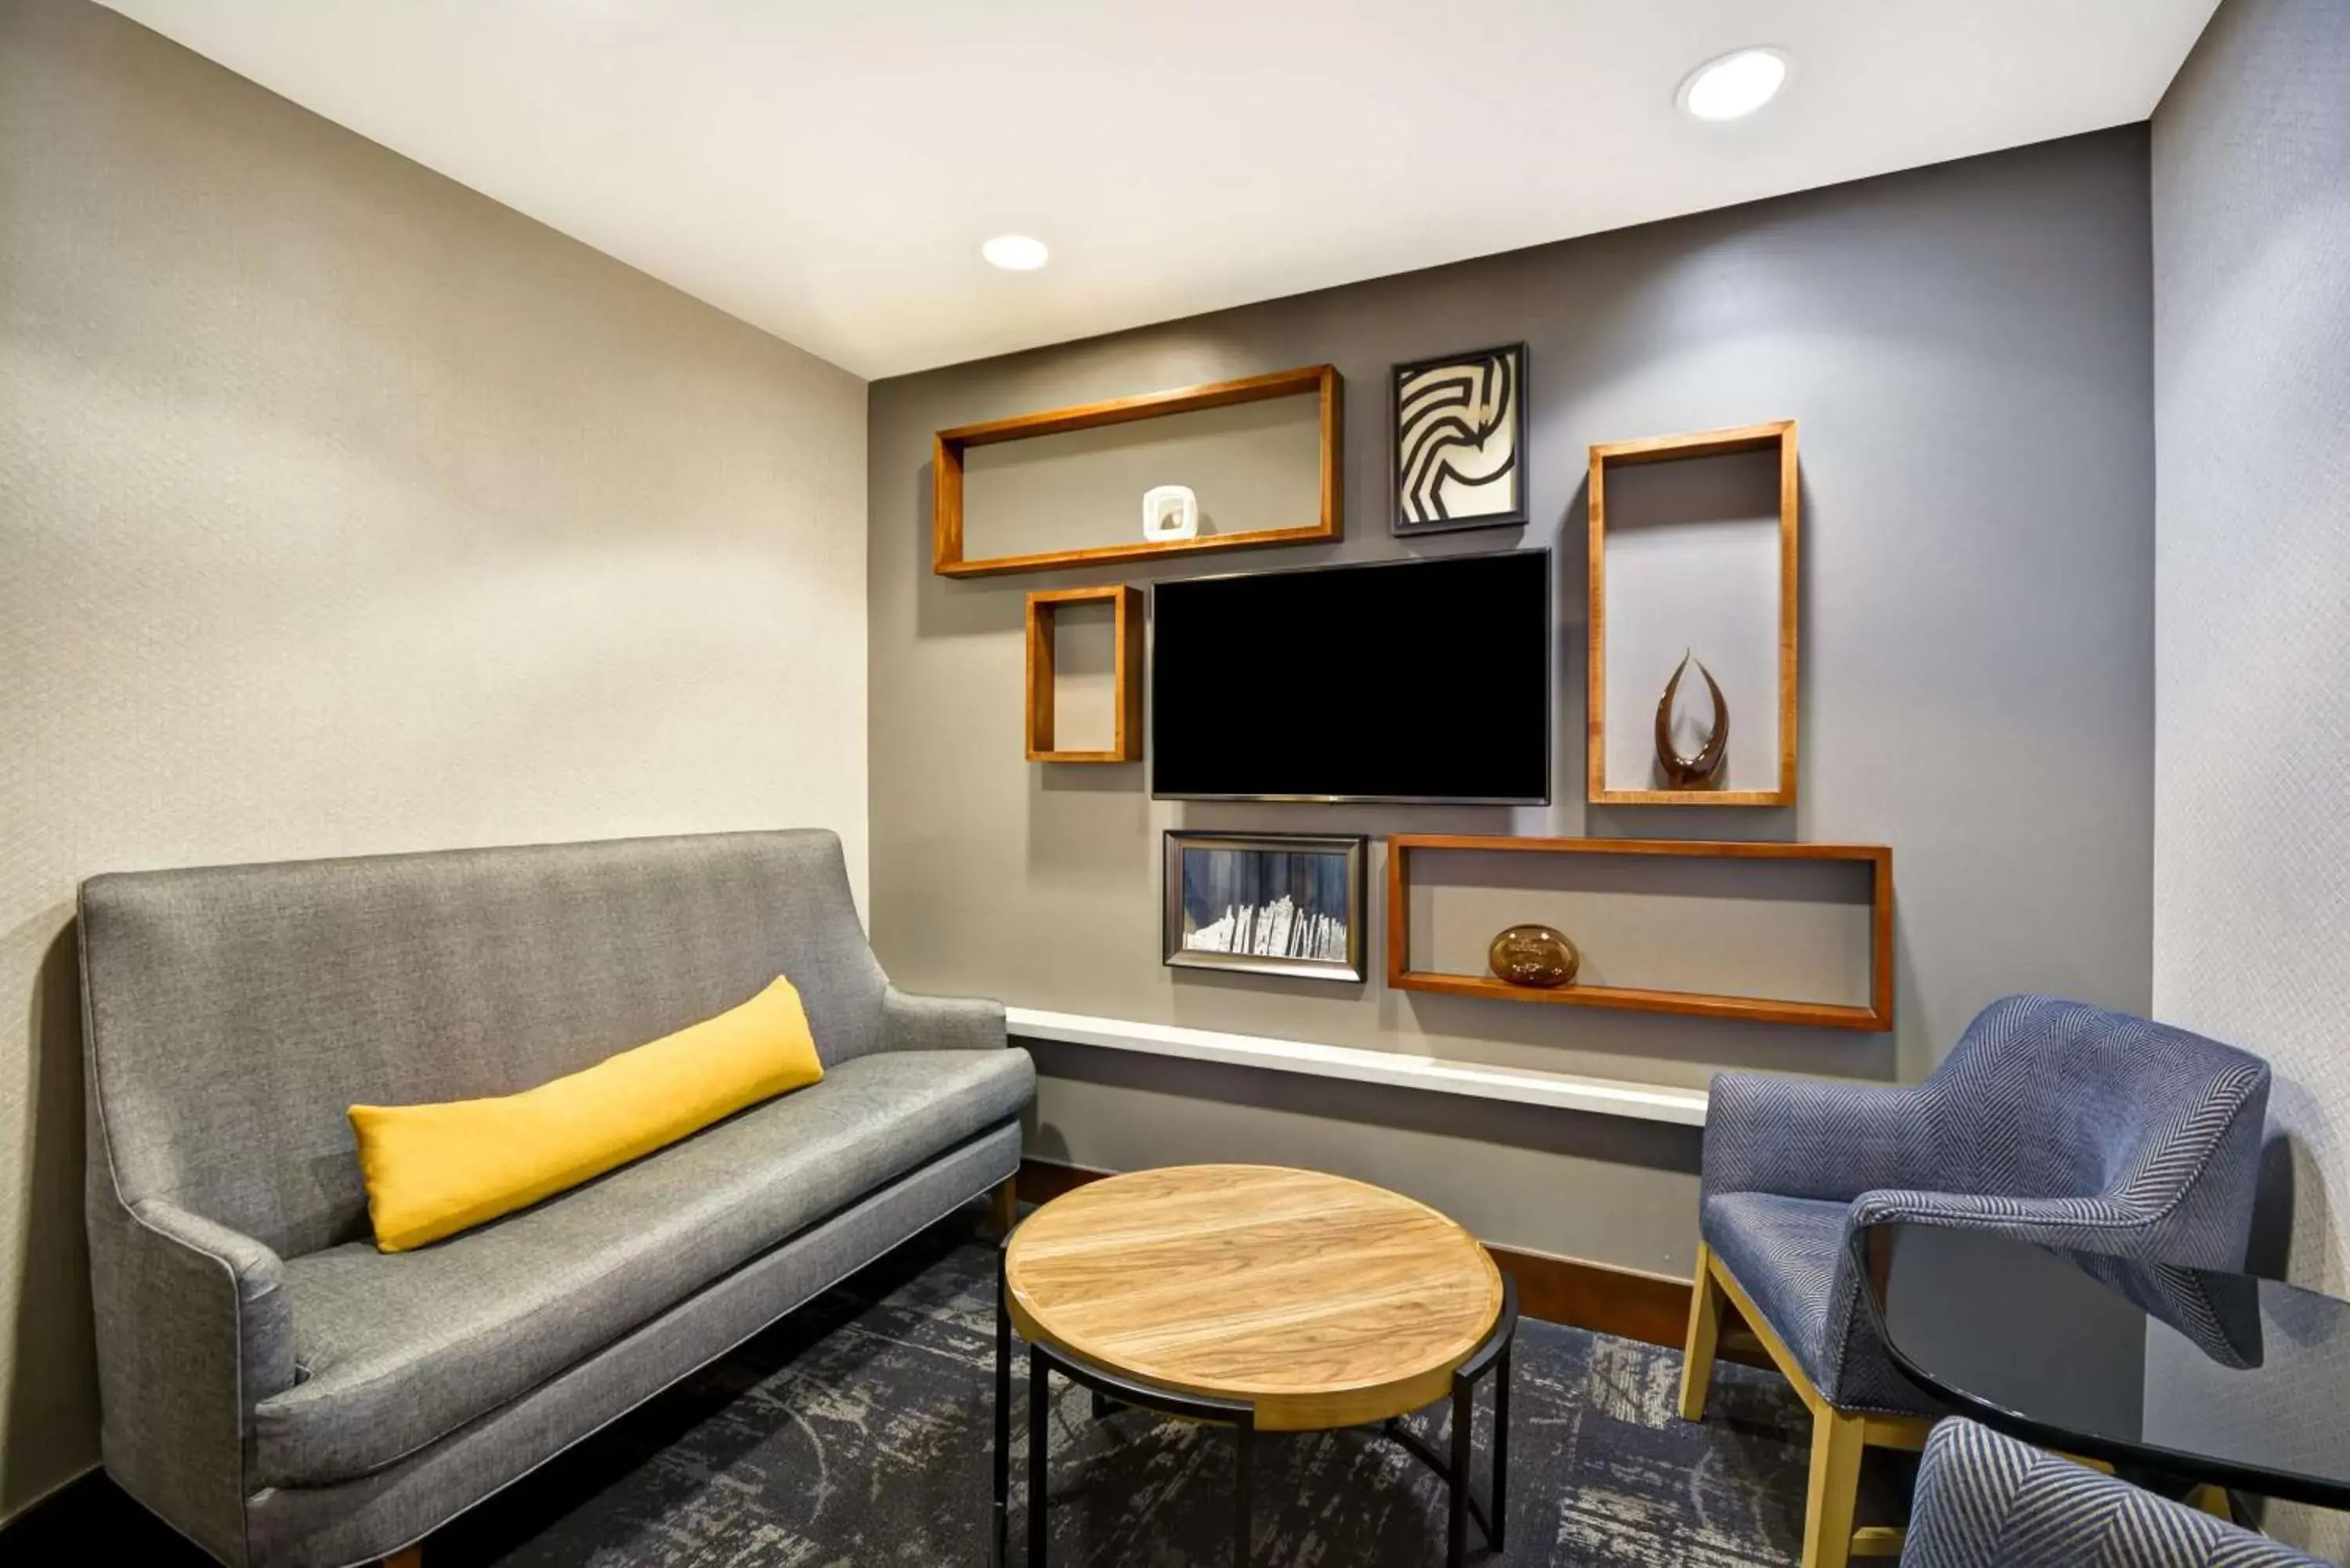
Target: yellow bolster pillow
[[434, 1170]]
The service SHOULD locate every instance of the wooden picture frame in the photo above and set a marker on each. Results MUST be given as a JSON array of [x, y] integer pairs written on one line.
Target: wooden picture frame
[[946, 447], [1438, 425], [1779, 435], [1876, 1017], [1126, 633], [1334, 955]]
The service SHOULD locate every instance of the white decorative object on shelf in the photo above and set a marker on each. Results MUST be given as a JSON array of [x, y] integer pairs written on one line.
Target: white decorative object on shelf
[[1170, 512]]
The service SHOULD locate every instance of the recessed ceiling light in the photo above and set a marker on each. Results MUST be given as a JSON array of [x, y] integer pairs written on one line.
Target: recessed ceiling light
[[1737, 84], [1015, 252]]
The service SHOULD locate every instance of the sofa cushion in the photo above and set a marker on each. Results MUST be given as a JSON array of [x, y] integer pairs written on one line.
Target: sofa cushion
[[394, 1350]]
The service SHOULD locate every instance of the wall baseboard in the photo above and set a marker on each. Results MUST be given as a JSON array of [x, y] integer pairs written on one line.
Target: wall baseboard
[[1041, 1180], [33, 1505], [89, 1517], [1599, 1297]]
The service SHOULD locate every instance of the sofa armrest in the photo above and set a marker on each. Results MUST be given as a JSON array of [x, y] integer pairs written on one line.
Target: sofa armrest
[[194, 1329], [1805, 1139], [179, 1243], [258, 1274], [911, 1022]]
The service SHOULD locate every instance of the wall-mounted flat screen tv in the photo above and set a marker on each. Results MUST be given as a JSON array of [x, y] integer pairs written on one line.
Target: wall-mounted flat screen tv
[[1414, 680]]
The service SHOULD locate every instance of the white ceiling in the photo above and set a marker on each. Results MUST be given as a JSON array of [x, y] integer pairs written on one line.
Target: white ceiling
[[827, 168]]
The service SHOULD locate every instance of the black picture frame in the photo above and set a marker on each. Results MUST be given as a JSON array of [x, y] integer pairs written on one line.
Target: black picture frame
[[1418, 463], [1299, 960]]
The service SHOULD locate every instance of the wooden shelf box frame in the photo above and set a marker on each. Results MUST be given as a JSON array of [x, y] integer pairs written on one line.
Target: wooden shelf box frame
[[1607, 455], [1877, 1016], [1126, 634], [947, 447]]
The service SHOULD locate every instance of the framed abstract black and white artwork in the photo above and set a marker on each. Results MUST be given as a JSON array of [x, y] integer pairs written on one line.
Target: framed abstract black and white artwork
[[1460, 442], [1272, 903]]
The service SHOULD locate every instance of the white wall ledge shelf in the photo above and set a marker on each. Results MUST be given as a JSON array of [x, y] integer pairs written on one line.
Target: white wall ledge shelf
[[1522, 1086]]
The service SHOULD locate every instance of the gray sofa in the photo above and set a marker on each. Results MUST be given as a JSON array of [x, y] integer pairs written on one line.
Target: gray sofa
[[286, 1395]]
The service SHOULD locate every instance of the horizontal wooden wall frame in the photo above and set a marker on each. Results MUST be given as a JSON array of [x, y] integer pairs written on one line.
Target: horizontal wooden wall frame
[[1779, 434], [1125, 636], [1877, 1016], [947, 447]]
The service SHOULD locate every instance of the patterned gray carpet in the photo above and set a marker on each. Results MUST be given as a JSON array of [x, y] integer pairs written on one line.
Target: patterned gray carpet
[[858, 1432]]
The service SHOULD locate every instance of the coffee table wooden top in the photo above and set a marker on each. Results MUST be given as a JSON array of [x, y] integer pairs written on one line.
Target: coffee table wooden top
[[1320, 1300]]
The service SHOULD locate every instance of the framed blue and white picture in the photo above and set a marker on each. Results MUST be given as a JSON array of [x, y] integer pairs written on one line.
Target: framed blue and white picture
[[1288, 904], [1460, 442]]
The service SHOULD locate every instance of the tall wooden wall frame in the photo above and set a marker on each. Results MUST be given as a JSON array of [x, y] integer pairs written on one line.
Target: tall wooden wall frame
[[1126, 740], [948, 446], [1778, 433]]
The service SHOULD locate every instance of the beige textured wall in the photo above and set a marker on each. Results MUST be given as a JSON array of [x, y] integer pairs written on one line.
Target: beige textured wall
[[2251, 164], [2251, 884], [342, 510], [1969, 351]]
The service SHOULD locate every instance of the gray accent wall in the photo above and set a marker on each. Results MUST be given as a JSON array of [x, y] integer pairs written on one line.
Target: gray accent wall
[[1969, 351], [344, 509], [2252, 868]]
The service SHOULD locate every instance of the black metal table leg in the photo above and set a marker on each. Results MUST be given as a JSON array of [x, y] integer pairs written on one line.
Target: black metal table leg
[[1003, 1416], [1040, 1411], [1501, 1446], [1110, 1390], [1462, 1504], [1456, 1479], [1122, 1392], [1244, 1504]]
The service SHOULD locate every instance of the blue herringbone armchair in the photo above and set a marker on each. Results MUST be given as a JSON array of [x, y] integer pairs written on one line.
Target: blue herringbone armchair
[[1985, 1501], [2050, 1120]]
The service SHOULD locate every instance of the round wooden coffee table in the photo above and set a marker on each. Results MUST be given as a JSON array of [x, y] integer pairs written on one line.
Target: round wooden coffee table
[[1265, 1298]]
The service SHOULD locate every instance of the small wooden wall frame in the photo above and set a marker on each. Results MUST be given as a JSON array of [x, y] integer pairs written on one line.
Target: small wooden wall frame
[[1125, 741], [1608, 455], [947, 447], [1877, 1016]]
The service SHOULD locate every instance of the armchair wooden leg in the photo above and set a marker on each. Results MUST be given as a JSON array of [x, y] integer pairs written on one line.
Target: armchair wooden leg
[[1003, 1208], [412, 1557], [1704, 1333], [1828, 1502]]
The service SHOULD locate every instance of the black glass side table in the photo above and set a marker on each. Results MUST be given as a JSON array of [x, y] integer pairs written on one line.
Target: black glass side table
[[2191, 1375]]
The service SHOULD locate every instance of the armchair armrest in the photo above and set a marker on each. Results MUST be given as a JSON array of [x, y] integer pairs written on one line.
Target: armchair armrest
[[911, 1022], [1805, 1139], [2106, 1222]]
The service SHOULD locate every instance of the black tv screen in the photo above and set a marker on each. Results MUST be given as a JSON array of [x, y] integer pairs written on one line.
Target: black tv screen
[[1426, 680]]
